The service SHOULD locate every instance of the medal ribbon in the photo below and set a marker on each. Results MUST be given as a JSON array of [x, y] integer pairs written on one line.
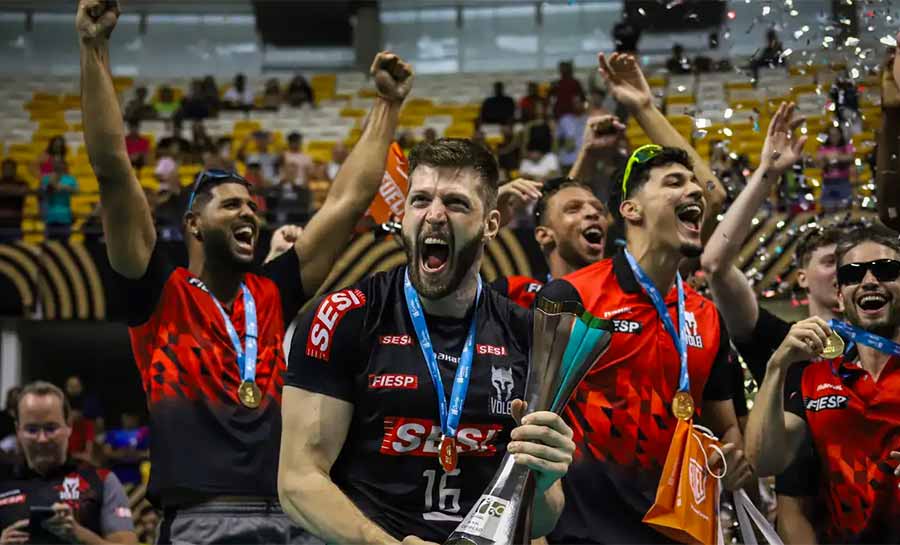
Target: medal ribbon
[[678, 337], [860, 336], [246, 354], [449, 417]]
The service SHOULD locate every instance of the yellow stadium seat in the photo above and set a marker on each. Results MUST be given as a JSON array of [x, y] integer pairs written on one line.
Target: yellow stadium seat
[[366, 93], [731, 85], [409, 120], [459, 131], [444, 109], [319, 145], [657, 81], [353, 112], [246, 126], [680, 99]]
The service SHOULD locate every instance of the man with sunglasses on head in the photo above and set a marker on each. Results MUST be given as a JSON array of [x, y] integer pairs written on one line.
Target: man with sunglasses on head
[[669, 341], [208, 338], [845, 404]]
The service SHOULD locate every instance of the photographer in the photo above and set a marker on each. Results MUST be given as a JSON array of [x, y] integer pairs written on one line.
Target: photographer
[[49, 499]]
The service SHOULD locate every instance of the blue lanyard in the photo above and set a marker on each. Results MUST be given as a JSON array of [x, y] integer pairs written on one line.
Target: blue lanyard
[[860, 336], [449, 418], [246, 355], [678, 337]]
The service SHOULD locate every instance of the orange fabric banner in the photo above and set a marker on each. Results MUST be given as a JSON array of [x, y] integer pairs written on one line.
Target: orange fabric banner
[[391, 195], [687, 500]]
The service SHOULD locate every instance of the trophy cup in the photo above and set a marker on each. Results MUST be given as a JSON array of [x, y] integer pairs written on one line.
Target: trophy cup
[[567, 342]]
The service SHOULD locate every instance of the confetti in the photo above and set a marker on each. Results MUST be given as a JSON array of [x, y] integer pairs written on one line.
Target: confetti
[[766, 10], [851, 41], [888, 41]]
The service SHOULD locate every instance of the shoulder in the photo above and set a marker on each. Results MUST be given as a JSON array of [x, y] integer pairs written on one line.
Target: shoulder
[[580, 283], [513, 321], [697, 302]]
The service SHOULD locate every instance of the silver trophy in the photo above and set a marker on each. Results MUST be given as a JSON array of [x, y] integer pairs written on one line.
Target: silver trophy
[[567, 342]]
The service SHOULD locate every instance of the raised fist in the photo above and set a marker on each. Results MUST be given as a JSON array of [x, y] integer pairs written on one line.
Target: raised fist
[[393, 77], [96, 20]]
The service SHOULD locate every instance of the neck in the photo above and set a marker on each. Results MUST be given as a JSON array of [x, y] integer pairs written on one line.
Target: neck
[[455, 304], [559, 267], [222, 281], [872, 360], [822, 311], [660, 264]]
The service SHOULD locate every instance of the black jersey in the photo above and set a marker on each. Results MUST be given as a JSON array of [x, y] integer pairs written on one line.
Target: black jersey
[[359, 345]]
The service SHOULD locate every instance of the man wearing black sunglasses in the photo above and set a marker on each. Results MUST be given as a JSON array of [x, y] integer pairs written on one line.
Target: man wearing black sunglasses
[[208, 338], [845, 404]]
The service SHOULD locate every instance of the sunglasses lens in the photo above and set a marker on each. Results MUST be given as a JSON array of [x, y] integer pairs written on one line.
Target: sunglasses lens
[[886, 270], [851, 273]]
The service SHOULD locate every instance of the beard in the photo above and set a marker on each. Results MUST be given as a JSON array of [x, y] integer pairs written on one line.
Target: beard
[[217, 249], [885, 326], [458, 266]]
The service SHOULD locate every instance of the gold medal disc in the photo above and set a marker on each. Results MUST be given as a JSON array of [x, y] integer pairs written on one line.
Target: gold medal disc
[[834, 347], [683, 406], [249, 394]]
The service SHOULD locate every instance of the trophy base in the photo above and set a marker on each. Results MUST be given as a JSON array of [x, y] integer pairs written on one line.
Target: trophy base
[[502, 515]]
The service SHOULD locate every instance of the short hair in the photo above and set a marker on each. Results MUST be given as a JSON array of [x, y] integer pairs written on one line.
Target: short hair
[[203, 193], [640, 174], [43, 388], [817, 237], [876, 233], [460, 153], [295, 137], [551, 188]]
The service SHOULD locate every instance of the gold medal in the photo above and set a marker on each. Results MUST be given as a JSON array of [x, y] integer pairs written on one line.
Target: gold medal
[[683, 406], [249, 394], [447, 454], [834, 347]]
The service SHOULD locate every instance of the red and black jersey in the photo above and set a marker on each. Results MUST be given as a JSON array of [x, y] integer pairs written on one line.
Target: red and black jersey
[[854, 424], [359, 345], [189, 371], [96, 497], [621, 412], [521, 289]]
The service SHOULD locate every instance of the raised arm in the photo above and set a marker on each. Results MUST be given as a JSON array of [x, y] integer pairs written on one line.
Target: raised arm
[[601, 138], [314, 430], [887, 179], [773, 435], [629, 87], [127, 223], [731, 291], [327, 233]]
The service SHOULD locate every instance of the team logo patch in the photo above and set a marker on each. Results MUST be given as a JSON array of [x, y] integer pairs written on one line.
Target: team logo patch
[[501, 398], [328, 315], [393, 382], [533, 287], [693, 336], [71, 489], [626, 326], [395, 340], [610, 313], [123, 512], [490, 350], [422, 437], [826, 402], [12, 500], [697, 479]]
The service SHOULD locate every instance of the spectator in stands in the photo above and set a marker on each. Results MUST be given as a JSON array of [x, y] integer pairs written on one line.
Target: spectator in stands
[[239, 97], [261, 155], [771, 54], [846, 103], [498, 109], [565, 89], [570, 133], [258, 183], [294, 155], [540, 164], [338, 155], [429, 136], [509, 151], [299, 92], [272, 97], [222, 158], [836, 157], [9, 450], [166, 106], [175, 145], [146, 526], [529, 102], [138, 146], [290, 199], [211, 95], [90, 504], [86, 402], [201, 143], [138, 108], [678, 63], [166, 172], [626, 35], [539, 133], [57, 189], [56, 150], [406, 141], [12, 201], [126, 447], [195, 105]]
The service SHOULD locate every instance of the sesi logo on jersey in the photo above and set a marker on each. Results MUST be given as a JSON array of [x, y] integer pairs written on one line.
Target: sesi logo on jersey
[[422, 437], [328, 315], [396, 340], [490, 350]]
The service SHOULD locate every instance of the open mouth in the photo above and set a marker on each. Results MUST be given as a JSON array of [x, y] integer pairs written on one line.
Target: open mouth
[[690, 215], [593, 235], [872, 302], [244, 235], [435, 254]]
